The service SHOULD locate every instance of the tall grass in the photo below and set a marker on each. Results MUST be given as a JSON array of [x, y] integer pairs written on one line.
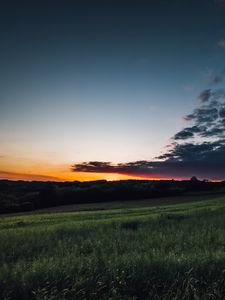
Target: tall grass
[[171, 252]]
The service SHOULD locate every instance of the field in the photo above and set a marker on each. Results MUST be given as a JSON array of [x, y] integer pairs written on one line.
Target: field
[[151, 252]]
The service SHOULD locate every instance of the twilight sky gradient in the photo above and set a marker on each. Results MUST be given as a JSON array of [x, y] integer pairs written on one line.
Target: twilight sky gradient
[[112, 89]]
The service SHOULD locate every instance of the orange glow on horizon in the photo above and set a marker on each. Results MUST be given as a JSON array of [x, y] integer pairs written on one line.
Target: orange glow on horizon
[[44, 171], [72, 176], [80, 176], [39, 170]]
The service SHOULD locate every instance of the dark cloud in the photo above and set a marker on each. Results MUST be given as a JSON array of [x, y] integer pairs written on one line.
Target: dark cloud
[[206, 115], [188, 132], [205, 95], [215, 131], [208, 119], [139, 167], [204, 158], [183, 134], [195, 152], [189, 117], [222, 112], [202, 117], [93, 165]]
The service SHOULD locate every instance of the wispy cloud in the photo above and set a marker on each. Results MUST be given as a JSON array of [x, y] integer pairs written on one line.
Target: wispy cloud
[[205, 95], [26, 176], [211, 77]]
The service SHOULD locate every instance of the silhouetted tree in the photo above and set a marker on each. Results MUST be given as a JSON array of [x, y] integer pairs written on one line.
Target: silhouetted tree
[[194, 179]]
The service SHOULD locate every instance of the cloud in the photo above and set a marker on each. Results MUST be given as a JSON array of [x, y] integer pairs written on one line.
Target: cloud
[[184, 160], [206, 160], [205, 95], [222, 112], [207, 120], [197, 152], [25, 176], [204, 156], [212, 77], [204, 116], [183, 134], [188, 132], [93, 165], [189, 117]]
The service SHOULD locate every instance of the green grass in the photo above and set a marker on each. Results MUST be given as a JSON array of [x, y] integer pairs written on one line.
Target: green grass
[[165, 252]]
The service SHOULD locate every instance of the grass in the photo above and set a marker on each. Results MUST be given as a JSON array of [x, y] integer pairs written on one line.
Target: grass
[[158, 252]]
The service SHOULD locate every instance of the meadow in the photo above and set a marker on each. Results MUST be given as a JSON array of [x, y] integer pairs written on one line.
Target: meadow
[[157, 252]]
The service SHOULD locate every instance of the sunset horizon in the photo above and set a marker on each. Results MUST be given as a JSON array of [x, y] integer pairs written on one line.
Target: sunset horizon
[[112, 91], [112, 150]]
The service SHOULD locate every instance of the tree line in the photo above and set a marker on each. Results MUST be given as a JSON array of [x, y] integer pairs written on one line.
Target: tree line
[[18, 196]]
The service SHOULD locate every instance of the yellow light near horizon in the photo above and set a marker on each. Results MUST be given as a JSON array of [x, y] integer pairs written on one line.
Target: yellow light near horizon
[[45, 171], [68, 176]]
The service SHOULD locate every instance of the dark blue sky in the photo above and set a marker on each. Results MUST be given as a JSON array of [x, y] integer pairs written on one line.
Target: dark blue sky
[[102, 80]]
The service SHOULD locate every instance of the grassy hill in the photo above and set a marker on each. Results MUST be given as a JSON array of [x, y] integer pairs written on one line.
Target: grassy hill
[[157, 252]]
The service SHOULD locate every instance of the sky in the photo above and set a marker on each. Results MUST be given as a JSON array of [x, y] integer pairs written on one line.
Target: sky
[[112, 89]]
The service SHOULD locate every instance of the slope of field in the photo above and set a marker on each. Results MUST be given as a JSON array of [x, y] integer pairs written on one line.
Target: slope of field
[[108, 205], [158, 252]]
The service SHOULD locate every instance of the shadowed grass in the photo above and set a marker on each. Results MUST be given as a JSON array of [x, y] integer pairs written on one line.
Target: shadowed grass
[[166, 252]]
